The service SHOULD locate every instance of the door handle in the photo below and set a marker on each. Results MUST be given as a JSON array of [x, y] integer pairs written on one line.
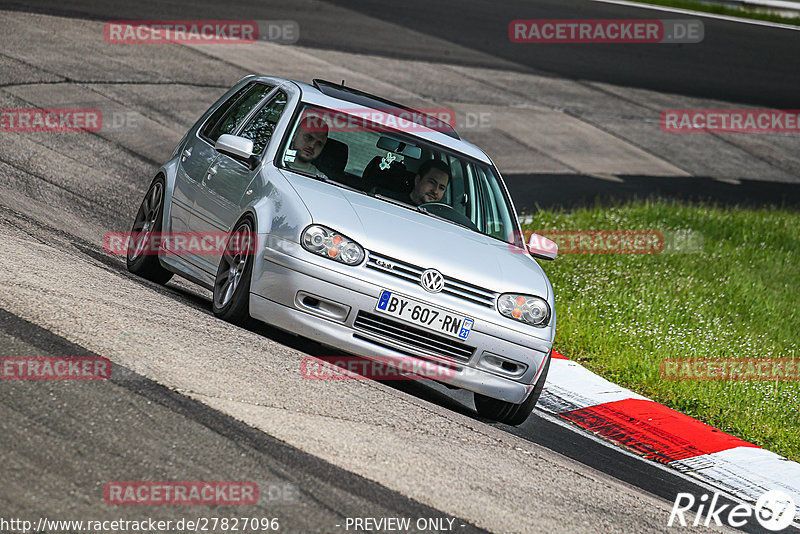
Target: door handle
[[212, 171]]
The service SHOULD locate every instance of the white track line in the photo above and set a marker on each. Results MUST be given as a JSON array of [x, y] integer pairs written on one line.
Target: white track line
[[701, 14], [671, 470], [746, 472]]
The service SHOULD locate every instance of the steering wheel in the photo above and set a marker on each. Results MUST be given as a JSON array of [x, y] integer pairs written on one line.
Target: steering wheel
[[447, 211], [435, 205]]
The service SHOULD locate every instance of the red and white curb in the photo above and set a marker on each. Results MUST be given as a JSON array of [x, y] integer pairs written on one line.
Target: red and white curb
[[658, 433]]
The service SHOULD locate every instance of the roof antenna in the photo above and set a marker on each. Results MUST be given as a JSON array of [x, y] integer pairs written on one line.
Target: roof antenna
[[342, 83]]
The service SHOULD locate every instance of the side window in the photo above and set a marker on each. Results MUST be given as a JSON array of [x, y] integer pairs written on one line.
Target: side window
[[495, 219], [260, 129], [222, 110], [231, 117]]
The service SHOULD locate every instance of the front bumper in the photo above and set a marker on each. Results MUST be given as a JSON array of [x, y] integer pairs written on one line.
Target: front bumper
[[283, 286]]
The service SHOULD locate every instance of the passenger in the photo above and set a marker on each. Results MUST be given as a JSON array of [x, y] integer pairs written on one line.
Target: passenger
[[308, 142], [430, 182]]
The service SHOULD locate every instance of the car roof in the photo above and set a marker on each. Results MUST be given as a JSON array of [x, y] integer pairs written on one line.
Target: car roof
[[356, 100], [356, 96]]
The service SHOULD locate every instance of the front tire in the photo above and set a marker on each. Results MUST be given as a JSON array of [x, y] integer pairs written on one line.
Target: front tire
[[507, 412], [141, 259], [231, 301]]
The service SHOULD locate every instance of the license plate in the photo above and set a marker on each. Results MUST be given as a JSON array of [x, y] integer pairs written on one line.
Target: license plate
[[424, 315]]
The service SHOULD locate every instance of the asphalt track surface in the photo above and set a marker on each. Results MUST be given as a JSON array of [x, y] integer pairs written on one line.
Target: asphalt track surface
[[72, 438], [161, 436], [737, 62]]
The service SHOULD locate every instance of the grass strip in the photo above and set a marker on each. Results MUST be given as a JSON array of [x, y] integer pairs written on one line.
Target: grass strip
[[720, 9], [726, 285]]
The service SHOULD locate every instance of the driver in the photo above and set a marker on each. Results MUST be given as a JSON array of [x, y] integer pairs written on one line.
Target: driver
[[430, 182], [308, 141]]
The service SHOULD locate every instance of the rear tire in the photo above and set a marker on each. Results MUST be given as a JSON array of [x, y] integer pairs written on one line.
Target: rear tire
[[507, 412], [141, 259], [231, 300]]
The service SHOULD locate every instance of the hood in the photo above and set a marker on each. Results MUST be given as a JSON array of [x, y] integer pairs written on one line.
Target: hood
[[422, 240]]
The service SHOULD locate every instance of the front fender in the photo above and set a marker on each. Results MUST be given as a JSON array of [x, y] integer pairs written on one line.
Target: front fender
[[278, 210], [169, 171]]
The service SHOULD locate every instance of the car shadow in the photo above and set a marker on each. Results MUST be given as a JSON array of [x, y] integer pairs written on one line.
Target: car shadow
[[457, 400]]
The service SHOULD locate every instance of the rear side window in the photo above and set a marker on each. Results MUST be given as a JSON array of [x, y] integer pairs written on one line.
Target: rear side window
[[232, 113]]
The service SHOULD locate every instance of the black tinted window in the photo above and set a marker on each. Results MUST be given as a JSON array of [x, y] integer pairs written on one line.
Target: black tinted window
[[231, 114], [223, 109]]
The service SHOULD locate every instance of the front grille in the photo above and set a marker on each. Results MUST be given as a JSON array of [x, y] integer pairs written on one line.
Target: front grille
[[409, 337], [409, 272]]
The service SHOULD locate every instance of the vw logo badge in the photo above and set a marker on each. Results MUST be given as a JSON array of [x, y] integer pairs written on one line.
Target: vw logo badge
[[432, 280]]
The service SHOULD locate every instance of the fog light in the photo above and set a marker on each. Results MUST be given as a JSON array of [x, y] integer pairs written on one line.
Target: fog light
[[501, 365]]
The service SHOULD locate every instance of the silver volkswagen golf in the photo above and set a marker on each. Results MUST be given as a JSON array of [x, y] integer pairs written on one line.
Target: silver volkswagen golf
[[362, 224]]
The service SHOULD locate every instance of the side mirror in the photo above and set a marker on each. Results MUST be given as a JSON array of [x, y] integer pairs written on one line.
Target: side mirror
[[235, 147], [542, 247]]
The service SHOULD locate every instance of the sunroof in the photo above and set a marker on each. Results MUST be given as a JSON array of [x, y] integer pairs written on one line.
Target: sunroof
[[355, 96]]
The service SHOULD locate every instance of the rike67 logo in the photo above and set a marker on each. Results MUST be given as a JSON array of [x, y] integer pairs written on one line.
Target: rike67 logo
[[774, 511]]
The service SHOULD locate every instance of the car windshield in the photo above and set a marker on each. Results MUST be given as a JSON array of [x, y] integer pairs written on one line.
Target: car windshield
[[347, 148]]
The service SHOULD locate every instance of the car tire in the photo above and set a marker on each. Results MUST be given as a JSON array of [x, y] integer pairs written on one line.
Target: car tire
[[231, 299], [507, 412], [149, 219]]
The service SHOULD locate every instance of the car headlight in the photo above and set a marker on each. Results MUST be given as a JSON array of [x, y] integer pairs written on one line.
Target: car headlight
[[331, 244], [525, 309]]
